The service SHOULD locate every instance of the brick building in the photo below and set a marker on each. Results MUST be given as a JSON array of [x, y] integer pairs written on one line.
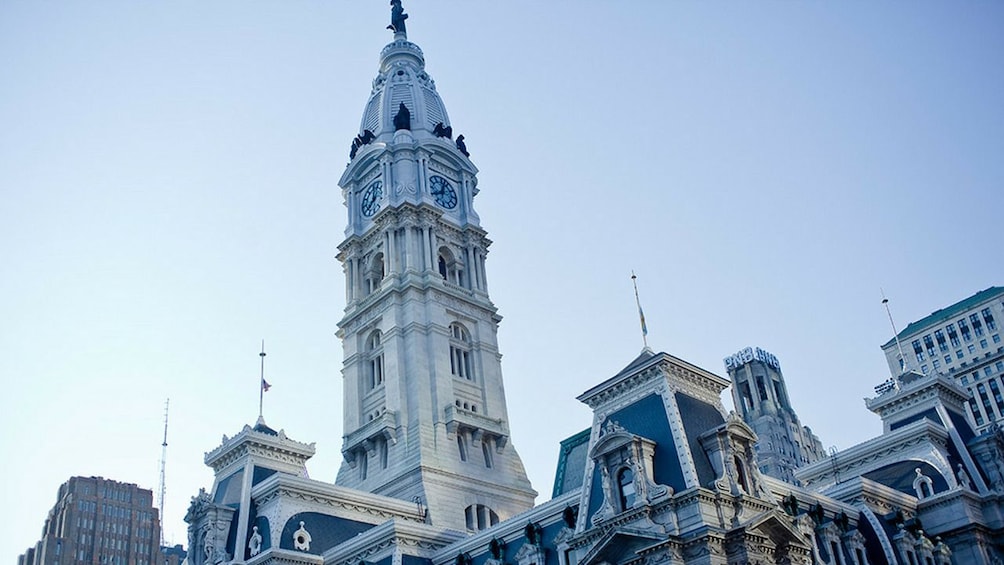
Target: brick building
[[98, 521]]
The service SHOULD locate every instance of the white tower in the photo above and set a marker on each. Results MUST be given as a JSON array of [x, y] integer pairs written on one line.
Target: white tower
[[425, 409]]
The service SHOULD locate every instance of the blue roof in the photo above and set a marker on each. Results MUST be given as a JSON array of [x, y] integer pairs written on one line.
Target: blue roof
[[571, 463]]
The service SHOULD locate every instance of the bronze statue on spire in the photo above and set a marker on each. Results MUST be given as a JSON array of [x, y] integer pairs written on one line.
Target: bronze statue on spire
[[397, 17]]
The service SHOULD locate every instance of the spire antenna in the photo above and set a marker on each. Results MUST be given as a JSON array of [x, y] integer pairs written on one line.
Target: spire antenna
[[163, 474], [263, 386], [641, 314], [899, 346]]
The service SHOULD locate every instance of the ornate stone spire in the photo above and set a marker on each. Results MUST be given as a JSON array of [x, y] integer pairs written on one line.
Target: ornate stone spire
[[425, 410]]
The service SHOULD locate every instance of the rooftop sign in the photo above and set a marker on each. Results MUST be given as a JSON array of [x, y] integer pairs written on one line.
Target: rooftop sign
[[749, 354]]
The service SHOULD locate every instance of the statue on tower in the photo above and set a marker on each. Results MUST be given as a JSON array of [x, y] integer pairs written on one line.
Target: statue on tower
[[402, 120], [397, 17]]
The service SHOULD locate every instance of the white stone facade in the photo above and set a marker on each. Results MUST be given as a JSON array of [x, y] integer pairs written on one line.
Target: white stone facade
[[425, 409]]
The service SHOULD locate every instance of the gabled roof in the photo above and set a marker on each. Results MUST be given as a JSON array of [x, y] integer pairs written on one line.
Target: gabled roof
[[943, 315], [622, 544]]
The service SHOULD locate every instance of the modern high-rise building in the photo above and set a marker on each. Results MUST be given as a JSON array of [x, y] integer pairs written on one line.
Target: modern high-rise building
[[761, 396], [962, 341], [98, 521]]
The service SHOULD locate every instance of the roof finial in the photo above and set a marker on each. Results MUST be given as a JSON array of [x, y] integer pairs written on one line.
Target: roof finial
[[641, 315], [885, 302], [397, 17]]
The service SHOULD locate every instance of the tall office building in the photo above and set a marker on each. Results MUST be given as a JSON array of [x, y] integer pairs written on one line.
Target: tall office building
[[97, 521], [962, 341], [761, 396]]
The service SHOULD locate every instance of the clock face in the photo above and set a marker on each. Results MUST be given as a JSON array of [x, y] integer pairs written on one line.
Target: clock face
[[442, 192], [371, 198]]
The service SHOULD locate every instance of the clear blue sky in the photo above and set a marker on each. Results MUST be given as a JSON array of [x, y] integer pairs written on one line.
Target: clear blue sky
[[168, 178]]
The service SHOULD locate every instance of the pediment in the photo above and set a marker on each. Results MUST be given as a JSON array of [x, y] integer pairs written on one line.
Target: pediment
[[620, 545], [611, 441], [778, 528]]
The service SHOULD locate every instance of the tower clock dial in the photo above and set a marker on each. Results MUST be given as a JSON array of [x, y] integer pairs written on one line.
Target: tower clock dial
[[371, 198], [442, 191]]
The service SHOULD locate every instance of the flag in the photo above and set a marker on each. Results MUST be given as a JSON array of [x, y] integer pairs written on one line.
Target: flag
[[641, 315], [265, 386]]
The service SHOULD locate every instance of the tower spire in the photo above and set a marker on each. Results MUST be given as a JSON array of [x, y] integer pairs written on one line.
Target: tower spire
[[641, 314], [412, 228]]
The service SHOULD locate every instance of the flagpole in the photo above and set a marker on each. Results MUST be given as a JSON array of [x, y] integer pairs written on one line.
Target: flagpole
[[641, 315], [895, 335], [261, 381]]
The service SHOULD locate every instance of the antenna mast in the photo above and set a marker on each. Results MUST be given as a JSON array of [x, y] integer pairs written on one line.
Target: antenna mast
[[163, 481], [899, 347]]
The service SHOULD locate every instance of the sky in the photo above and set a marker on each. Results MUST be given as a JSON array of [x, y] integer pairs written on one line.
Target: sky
[[169, 198]]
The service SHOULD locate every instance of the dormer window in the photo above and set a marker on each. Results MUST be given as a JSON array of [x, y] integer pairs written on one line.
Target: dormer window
[[625, 465]]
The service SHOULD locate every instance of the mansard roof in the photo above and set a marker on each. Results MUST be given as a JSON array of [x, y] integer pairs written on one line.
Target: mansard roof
[[571, 463]]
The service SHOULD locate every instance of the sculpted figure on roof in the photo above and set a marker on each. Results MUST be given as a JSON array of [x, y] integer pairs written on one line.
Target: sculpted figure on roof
[[397, 17]]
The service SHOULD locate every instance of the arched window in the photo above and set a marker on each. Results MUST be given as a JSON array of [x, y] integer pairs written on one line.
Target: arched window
[[741, 472], [374, 273], [450, 267], [462, 446], [625, 488], [460, 352], [442, 267], [374, 360]]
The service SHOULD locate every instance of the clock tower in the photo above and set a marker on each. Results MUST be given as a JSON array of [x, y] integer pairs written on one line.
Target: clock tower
[[424, 404]]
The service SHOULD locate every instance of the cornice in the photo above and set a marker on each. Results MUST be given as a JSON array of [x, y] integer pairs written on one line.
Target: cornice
[[917, 392], [474, 304], [321, 494], [661, 365], [513, 490], [509, 530], [277, 556], [859, 491], [411, 538], [830, 503], [952, 497], [250, 442], [884, 446]]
